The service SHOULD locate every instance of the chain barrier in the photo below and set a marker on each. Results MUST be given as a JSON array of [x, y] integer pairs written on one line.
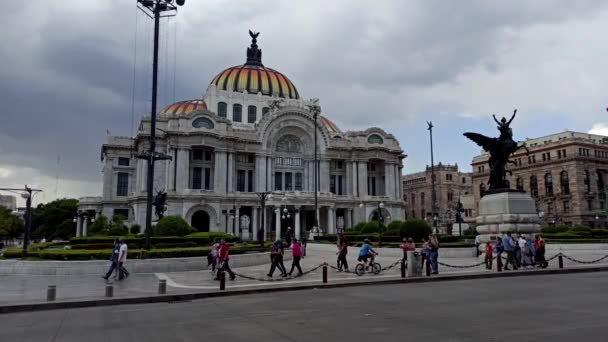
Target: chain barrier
[[582, 261], [282, 278], [393, 265], [463, 266]]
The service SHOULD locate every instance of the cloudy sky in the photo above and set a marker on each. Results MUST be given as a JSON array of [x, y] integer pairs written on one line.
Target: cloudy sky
[[67, 73]]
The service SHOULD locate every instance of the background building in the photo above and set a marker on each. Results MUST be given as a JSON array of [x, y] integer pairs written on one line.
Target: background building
[[9, 202], [450, 184], [250, 132], [565, 173]]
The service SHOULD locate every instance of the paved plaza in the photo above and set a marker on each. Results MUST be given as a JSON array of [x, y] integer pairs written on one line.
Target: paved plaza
[[16, 289], [534, 308]]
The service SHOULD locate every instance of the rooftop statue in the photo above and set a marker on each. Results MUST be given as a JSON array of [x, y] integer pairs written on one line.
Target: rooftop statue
[[500, 149]]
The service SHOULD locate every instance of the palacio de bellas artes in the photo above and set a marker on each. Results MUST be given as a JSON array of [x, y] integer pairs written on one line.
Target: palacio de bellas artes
[[249, 142]]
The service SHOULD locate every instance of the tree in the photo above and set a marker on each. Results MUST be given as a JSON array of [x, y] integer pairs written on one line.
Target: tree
[[53, 220], [11, 226]]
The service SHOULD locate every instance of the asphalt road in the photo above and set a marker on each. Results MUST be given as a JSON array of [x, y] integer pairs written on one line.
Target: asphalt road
[[531, 308]]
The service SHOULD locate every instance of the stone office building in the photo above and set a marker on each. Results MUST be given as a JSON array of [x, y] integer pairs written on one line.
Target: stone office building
[[565, 173], [252, 132], [450, 186]]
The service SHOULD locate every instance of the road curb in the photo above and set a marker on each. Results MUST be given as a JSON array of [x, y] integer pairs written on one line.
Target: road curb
[[27, 307]]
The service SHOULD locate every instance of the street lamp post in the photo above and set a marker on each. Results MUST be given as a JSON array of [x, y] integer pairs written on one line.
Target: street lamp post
[[155, 9], [27, 195], [316, 110], [264, 195], [380, 216], [433, 194]]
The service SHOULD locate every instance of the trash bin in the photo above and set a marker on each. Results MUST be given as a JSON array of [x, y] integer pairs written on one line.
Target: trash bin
[[414, 264]]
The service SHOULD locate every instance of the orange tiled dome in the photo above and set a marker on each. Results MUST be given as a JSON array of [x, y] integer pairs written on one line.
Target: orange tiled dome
[[185, 107]]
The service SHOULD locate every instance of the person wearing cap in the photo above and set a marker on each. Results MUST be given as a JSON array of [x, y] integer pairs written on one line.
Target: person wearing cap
[[366, 252]]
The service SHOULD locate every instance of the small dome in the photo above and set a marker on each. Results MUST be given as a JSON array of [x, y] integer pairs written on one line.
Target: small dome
[[185, 107], [253, 78], [330, 125]]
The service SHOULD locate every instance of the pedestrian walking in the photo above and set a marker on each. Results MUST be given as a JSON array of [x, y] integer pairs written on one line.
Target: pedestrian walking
[[531, 252], [212, 257], [507, 243], [434, 253], [523, 250], [113, 260], [122, 259], [223, 257], [296, 253], [489, 256], [276, 257], [477, 244], [342, 251], [539, 246], [424, 252]]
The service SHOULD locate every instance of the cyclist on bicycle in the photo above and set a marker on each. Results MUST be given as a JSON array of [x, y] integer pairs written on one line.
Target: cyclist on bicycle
[[366, 252]]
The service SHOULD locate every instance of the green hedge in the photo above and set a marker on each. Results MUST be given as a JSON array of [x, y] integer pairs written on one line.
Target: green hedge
[[199, 239]]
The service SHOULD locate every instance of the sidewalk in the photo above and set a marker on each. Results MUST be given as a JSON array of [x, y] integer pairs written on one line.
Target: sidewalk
[[16, 289]]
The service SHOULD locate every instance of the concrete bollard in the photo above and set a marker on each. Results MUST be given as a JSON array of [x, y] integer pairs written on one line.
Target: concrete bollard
[[325, 274], [499, 263], [162, 286], [560, 259], [51, 293], [109, 290], [402, 268], [222, 281]]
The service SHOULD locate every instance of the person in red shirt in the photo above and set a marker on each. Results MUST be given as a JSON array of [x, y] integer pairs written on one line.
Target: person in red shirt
[[296, 253], [489, 255], [223, 257]]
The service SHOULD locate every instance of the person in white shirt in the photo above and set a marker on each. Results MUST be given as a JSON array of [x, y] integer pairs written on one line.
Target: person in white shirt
[[122, 259], [523, 247]]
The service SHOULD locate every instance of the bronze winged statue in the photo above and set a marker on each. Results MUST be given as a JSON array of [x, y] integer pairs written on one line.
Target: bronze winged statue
[[159, 203], [500, 149]]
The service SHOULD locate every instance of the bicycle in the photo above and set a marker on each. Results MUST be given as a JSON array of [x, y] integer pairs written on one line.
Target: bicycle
[[362, 268]]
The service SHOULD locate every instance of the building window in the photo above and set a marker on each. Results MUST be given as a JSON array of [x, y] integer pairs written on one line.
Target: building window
[[340, 185], [413, 196], [564, 183], [288, 184], [197, 154], [413, 213], [482, 189], [375, 139], [265, 110], [123, 161], [371, 185], [222, 109], [548, 184], [252, 113], [422, 198], [122, 184], [519, 184], [533, 186], [448, 177], [450, 196], [298, 182], [121, 212], [564, 153], [237, 112], [202, 123], [600, 181], [207, 178], [464, 180], [197, 177], [332, 184], [566, 207], [590, 205], [240, 181], [559, 154], [587, 182], [278, 181], [250, 180]]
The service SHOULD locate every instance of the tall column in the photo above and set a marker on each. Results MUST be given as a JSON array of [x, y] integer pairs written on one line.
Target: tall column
[[324, 175], [230, 171], [362, 179], [78, 226], [237, 222], [84, 226], [254, 224], [347, 219], [389, 188], [297, 219], [348, 180], [171, 170], [277, 232], [219, 177], [260, 173], [183, 169], [354, 179], [331, 220]]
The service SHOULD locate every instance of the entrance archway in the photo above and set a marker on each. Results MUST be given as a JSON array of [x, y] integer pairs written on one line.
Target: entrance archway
[[200, 221]]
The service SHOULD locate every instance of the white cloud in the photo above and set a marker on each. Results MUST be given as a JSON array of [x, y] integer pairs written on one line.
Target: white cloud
[[599, 128], [5, 173]]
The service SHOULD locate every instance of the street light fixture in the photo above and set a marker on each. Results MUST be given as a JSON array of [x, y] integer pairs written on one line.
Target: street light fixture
[[154, 9], [316, 110], [27, 194]]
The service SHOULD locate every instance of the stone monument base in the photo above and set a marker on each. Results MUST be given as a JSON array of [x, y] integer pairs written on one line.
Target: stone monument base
[[503, 212]]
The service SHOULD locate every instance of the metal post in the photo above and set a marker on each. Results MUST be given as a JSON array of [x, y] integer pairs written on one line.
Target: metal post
[[109, 290], [28, 220], [324, 274], [499, 263], [560, 259], [403, 268], [433, 194], [234, 218], [51, 293], [162, 286], [316, 174], [428, 266], [222, 280]]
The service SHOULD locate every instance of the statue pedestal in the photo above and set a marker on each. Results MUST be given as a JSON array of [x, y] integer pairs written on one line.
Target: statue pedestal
[[314, 232], [503, 212]]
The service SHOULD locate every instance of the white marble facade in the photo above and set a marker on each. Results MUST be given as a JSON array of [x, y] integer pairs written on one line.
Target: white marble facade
[[220, 162]]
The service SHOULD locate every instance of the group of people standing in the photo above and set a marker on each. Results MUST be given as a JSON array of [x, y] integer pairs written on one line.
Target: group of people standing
[[520, 251]]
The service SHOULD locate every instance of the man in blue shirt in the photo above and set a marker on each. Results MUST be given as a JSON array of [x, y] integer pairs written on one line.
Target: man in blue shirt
[[507, 243], [366, 252]]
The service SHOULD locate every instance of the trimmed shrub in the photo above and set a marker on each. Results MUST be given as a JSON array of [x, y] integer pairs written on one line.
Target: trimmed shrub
[[373, 227], [555, 229], [416, 229], [172, 226], [599, 232], [134, 229]]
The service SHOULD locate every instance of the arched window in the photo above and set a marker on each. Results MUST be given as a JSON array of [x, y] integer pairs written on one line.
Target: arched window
[[265, 110], [564, 183], [202, 123], [533, 186], [548, 184], [519, 184], [222, 109], [482, 189], [587, 182], [252, 113], [237, 112], [375, 139]]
